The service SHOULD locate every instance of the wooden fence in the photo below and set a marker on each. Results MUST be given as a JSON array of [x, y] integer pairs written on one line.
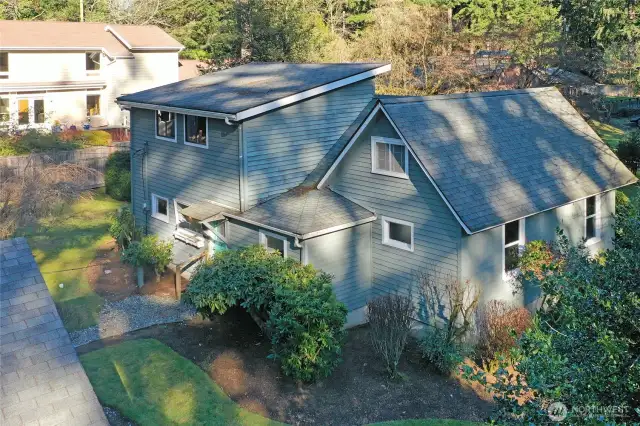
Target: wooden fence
[[94, 158]]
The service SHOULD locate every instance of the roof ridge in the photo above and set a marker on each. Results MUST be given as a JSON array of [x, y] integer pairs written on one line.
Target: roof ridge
[[396, 99]]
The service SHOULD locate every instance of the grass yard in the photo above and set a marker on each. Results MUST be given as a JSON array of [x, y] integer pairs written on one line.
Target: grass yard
[[152, 385], [427, 422], [70, 240], [610, 133]]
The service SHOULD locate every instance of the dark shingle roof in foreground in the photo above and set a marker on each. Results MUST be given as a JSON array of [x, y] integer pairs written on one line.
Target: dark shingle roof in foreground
[[307, 212], [237, 89], [501, 156]]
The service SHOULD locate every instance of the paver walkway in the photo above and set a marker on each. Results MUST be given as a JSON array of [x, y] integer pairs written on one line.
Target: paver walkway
[[43, 382]]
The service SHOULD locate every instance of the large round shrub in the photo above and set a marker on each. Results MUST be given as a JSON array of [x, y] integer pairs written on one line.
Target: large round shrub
[[293, 303], [117, 176]]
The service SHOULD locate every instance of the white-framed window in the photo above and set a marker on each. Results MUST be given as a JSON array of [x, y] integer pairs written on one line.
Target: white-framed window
[[93, 104], [4, 65], [180, 219], [397, 233], [389, 157], [92, 63], [166, 125], [160, 208], [31, 111], [195, 131], [592, 225], [273, 242], [5, 112], [513, 240]]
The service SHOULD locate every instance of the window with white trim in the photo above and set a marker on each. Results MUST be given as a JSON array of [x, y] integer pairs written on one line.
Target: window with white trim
[[592, 219], [5, 115], [160, 208], [389, 157], [166, 125], [274, 242], [397, 233], [4, 65], [513, 239], [195, 131], [92, 63]]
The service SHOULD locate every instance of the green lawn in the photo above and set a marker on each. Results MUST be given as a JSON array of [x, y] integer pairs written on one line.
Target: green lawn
[[610, 133], [152, 385], [70, 240]]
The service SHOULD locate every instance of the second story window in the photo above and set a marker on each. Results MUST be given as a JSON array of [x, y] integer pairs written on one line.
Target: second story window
[[389, 157], [166, 125], [92, 62], [4, 65], [195, 131]]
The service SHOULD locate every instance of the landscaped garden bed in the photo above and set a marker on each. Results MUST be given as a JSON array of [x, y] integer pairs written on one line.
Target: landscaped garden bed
[[233, 351]]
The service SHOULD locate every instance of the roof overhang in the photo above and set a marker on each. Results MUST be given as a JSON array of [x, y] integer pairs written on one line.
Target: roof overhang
[[63, 49], [128, 45], [54, 85], [269, 106], [301, 236]]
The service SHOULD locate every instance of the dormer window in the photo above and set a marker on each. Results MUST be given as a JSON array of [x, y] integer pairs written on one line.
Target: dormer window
[[92, 63], [389, 157], [4, 65]]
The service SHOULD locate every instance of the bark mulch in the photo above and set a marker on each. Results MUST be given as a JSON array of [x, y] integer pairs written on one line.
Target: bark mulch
[[232, 351]]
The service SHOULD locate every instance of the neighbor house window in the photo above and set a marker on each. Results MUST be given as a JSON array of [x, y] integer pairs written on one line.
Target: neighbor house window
[[592, 219], [92, 61], [195, 131], [31, 111], [389, 157], [274, 242], [4, 110], [165, 125], [4, 65], [160, 208], [93, 105], [513, 237], [397, 233], [23, 111], [38, 111]]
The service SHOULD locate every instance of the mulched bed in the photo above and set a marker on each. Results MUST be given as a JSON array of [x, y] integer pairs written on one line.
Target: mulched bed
[[234, 353]]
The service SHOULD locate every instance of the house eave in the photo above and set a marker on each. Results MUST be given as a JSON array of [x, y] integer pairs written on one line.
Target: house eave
[[177, 110]]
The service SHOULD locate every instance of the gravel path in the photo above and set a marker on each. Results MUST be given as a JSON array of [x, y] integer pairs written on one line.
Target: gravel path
[[133, 313]]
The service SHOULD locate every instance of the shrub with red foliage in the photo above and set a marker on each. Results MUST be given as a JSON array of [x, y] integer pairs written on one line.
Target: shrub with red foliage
[[499, 325]]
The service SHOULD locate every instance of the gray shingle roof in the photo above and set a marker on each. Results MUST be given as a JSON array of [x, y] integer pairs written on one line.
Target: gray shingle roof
[[302, 211], [237, 89], [501, 156]]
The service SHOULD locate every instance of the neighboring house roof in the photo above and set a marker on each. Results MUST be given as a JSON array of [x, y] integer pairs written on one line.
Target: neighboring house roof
[[248, 90], [500, 156], [306, 213], [188, 68], [51, 35]]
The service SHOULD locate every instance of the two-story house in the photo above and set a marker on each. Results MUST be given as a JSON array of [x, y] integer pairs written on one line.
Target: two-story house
[[307, 160], [72, 72]]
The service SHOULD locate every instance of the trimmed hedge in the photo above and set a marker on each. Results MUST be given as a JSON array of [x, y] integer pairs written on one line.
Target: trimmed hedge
[[117, 176], [293, 303]]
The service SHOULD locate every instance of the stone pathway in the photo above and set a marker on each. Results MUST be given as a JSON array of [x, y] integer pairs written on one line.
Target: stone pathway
[[42, 380]]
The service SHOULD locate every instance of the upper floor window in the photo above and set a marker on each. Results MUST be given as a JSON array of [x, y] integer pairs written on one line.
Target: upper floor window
[[389, 157], [592, 220], [513, 238], [273, 242], [4, 65], [195, 131], [92, 62], [165, 125], [160, 208], [4, 110], [93, 105], [397, 233]]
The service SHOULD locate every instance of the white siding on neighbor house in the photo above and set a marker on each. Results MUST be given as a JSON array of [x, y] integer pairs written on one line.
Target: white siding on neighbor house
[[47, 67], [481, 254], [284, 146], [144, 71], [176, 171], [436, 232]]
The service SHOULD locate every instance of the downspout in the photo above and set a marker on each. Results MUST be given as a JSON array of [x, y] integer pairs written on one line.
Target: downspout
[[242, 149]]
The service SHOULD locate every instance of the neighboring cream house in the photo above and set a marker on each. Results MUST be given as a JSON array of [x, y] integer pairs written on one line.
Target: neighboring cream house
[[72, 72]]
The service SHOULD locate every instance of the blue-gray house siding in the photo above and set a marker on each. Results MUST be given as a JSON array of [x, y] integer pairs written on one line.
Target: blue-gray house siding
[[180, 172], [240, 234], [437, 233], [284, 146]]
